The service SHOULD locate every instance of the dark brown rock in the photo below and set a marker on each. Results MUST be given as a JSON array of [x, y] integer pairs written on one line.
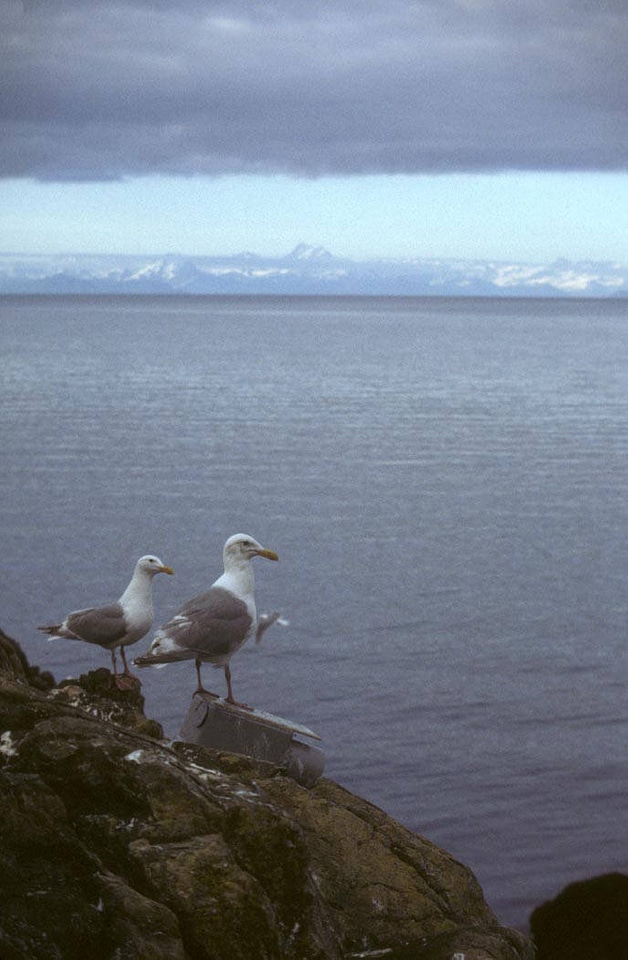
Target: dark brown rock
[[588, 920], [13, 662], [120, 846]]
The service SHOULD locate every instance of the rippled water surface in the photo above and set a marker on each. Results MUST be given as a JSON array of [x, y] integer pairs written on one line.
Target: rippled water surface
[[445, 482]]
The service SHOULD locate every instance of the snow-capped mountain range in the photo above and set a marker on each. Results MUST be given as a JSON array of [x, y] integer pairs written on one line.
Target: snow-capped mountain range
[[307, 270]]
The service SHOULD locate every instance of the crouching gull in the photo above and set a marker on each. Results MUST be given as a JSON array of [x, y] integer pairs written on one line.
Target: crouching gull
[[211, 627], [117, 624]]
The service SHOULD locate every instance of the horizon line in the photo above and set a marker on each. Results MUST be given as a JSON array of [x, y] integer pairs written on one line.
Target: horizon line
[[315, 247]]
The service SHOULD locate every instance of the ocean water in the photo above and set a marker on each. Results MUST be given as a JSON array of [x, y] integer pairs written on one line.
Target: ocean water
[[446, 483]]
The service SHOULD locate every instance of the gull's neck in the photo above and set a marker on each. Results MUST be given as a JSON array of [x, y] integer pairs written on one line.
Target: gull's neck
[[139, 589], [238, 576]]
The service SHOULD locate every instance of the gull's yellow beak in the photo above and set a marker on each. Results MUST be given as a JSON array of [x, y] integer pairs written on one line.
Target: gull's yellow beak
[[166, 570], [269, 554]]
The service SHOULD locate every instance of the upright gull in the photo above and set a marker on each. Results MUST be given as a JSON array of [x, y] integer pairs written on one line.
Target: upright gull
[[211, 627], [117, 624]]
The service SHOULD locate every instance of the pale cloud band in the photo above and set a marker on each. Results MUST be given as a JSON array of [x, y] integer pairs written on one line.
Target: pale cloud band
[[97, 91]]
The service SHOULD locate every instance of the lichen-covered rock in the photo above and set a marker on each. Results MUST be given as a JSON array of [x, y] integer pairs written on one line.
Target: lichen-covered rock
[[115, 844]]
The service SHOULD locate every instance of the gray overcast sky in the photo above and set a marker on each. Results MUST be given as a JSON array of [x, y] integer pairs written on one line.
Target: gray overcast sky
[[102, 90]]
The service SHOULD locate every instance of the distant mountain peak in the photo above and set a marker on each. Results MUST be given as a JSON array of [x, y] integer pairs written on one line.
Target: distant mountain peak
[[305, 251]]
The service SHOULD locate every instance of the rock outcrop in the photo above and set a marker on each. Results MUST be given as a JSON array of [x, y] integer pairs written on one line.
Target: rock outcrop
[[588, 920], [116, 844]]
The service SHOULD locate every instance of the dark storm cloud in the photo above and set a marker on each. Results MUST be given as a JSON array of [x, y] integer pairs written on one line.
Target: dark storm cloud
[[100, 90]]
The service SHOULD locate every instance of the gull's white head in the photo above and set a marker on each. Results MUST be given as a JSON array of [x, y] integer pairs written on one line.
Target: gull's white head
[[152, 565], [241, 547]]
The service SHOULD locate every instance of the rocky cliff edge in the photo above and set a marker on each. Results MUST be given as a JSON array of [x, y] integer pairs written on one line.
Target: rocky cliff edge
[[120, 845]]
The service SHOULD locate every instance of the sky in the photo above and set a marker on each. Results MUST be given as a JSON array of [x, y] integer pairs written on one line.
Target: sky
[[376, 128]]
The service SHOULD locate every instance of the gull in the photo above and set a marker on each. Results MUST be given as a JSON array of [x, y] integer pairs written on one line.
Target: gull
[[211, 627], [118, 624]]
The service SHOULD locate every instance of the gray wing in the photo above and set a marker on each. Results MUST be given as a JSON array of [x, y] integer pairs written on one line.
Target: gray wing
[[105, 626], [212, 625]]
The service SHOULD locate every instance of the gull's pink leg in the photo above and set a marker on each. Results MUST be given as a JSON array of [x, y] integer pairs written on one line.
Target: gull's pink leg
[[230, 698]]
